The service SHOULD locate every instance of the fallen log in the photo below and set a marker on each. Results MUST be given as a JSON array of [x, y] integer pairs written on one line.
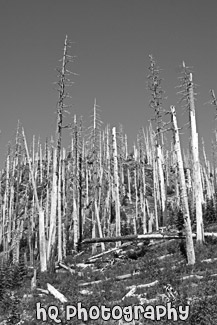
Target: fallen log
[[78, 254], [102, 254], [72, 271], [210, 234], [161, 242], [67, 268], [164, 256], [95, 257], [86, 292], [209, 260], [85, 284], [56, 293], [130, 237], [156, 236], [146, 285], [84, 265], [43, 291], [192, 276], [130, 293], [199, 277], [117, 278]]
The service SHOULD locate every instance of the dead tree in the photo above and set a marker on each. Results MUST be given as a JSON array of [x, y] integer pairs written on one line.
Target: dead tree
[[188, 95], [95, 162], [116, 179], [183, 191], [154, 85], [63, 82]]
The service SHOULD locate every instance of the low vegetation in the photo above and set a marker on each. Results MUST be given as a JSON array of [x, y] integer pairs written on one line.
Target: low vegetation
[[194, 285]]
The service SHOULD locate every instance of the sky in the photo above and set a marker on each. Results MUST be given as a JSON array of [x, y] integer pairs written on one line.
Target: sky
[[112, 40]]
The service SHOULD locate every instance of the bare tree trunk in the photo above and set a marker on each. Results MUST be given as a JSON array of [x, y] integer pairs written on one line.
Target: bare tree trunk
[[155, 188], [196, 165], [64, 202], [75, 222], [42, 240], [99, 224], [60, 255], [52, 229], [128, 173], [144, 200], [183, 191], [93, 230], [162, 184], [117, 201]]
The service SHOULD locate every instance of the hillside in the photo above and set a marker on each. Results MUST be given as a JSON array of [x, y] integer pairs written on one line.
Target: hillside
[[114, 280]]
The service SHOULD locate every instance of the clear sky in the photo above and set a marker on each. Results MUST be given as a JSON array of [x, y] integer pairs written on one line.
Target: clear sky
[[113, 39]]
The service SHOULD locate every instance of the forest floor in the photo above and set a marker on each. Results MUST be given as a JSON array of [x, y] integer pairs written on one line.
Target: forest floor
[[157, 281]]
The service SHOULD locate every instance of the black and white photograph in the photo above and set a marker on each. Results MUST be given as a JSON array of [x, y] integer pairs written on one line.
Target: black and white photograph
[[108, 164]]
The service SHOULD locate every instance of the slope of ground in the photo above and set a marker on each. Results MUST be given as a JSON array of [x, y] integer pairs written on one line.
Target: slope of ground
[[159, 277]]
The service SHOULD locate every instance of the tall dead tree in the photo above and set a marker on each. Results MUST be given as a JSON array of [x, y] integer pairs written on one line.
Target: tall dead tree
[[143, 200], [154, 85], [116, 179], [183, 190], [188, 95], [94, 161], [77, 182], [63, 82], [80, 181], [128, 171]]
